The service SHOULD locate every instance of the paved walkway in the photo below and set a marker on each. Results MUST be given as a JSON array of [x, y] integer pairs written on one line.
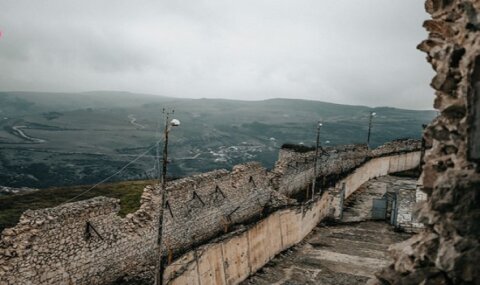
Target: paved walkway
[[345, 254]]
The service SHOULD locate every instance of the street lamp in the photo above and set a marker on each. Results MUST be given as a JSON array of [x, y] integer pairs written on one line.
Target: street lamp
[[319, 126], [372, 114], [159, 268]]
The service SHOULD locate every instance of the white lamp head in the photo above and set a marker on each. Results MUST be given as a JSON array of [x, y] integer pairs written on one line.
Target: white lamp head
[[374, 114], [320, 124], [174, 123]]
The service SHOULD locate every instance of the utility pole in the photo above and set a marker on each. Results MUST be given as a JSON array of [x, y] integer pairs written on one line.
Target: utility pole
[[319, 126], [372, 114], [159, 267]]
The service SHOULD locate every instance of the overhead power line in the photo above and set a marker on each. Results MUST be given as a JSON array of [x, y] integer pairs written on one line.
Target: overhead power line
[[114, 174]]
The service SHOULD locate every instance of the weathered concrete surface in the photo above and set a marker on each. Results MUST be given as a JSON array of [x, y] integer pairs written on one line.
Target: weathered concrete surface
[[332, 255], [379, 167], [234, 257]]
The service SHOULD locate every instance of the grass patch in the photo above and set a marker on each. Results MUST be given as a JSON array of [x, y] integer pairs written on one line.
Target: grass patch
[[12, 206]]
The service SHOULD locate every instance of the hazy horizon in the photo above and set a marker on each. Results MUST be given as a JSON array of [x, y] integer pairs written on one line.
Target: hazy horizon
[[344, 52], [212, 98]]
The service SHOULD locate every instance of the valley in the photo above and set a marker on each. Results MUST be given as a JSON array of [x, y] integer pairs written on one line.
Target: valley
[[59, 139]]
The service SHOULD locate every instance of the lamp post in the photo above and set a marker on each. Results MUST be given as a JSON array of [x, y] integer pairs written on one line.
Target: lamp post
[[159, 267], [372, 114], [319, 126]]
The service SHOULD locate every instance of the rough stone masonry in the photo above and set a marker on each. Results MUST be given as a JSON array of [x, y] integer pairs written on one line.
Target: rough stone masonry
[[448, 251]]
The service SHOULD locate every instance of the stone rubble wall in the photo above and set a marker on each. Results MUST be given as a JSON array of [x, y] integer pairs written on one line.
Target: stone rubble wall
[[396, 146], [51, 246], [206, 205], [447, 251], [233, 258], [295, 171], [406, 202], [420, 199]]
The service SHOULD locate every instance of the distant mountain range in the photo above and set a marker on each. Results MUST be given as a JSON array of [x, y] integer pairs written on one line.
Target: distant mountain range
[[55, 139]]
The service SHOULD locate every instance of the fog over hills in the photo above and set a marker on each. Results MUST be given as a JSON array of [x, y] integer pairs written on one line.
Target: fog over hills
[[54, 139]]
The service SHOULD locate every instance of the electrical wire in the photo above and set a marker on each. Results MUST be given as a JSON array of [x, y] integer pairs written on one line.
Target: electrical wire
[[109, 177]]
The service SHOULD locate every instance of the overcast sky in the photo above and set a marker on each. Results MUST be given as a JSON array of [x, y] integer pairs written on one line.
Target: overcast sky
[[343, 51]]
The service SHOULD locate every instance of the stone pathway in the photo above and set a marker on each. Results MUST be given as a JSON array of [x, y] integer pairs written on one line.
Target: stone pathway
[[345, 254]]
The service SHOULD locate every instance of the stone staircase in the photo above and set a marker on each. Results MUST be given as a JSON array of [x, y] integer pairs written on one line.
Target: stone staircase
[[358, 206]]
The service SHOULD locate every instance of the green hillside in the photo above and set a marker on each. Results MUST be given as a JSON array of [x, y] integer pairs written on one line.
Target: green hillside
[[57, 139]]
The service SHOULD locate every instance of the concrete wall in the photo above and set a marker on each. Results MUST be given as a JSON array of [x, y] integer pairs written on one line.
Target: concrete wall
[[232, 259], [379, 167], [373, 168]]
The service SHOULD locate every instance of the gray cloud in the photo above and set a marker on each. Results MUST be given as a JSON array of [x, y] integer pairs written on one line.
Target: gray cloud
[[344, 51]]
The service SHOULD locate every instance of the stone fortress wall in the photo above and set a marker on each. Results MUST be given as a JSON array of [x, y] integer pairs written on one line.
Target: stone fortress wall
[[206, 205], [294, 171], [80, 243], [86, 242]]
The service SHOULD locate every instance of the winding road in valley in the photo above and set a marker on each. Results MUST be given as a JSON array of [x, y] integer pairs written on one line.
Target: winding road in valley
[[17, 130], [133, 121]]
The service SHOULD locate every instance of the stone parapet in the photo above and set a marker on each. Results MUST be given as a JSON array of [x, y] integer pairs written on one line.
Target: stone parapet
[[84, 242], [294, 171]]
